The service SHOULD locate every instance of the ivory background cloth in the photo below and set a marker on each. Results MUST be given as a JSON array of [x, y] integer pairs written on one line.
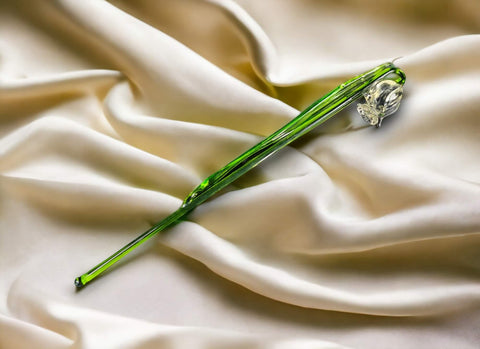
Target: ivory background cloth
[[111, 112]]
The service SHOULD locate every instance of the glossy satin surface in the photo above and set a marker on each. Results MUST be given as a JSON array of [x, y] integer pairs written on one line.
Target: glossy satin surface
[[349, 237]]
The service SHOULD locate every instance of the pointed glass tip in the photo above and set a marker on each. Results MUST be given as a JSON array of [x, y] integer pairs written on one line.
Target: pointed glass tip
[[78, 283]]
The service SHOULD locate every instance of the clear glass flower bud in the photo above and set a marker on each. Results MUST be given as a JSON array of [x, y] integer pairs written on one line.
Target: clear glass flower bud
[[381, 99]]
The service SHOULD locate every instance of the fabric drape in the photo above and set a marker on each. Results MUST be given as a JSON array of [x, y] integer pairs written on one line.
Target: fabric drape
[[111, 112]]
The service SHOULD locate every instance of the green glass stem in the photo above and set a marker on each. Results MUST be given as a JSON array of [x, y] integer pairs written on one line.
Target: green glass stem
[[316, 114]]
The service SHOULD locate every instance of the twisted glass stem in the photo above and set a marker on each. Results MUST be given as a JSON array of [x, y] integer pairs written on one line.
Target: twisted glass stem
[[316, 114]]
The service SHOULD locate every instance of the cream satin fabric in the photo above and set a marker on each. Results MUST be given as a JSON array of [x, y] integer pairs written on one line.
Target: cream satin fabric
[[111, 112]]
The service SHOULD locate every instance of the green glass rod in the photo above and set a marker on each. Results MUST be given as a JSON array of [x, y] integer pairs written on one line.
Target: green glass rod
[[316, 114]]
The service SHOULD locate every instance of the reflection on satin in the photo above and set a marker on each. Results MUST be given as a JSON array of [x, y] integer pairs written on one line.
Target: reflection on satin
[[110, 113]]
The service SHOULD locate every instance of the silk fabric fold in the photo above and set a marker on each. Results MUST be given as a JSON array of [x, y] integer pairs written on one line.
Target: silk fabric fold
[[352, 237]]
